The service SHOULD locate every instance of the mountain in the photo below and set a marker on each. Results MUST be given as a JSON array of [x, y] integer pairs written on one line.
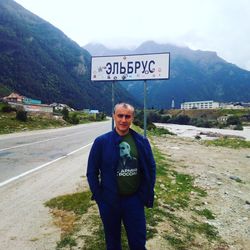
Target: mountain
[[195, 75], [41, 62], [97, 49]]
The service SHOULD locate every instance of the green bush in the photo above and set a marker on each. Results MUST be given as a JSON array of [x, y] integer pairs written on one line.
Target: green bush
[[160, 131], [233, 120], [100, 116], [238, 127], [150, 126], [74, 119], [154, 116], [6, 108], [180, 119], [198, 122], [138, 122], [165, 118], [21, 115], [65, 114]]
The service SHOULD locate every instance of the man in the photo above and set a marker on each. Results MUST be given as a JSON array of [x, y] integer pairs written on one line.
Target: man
[[121, 176]]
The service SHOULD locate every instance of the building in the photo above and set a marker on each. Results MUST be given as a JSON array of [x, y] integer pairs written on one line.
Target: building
[[232, 106], [31, 101], [94, 111], [27, 104], [14, 97], [200, 105]]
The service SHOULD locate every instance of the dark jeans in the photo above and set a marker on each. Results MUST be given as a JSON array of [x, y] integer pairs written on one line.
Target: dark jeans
[[130, 211]]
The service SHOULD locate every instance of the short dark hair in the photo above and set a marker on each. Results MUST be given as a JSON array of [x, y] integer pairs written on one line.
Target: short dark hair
[[124, 105]]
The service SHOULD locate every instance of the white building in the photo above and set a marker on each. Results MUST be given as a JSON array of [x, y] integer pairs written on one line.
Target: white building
[[94, 111], [200, 105], [231, 106]]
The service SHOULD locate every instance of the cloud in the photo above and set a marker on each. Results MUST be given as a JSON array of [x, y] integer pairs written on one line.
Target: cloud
[[217, 25]]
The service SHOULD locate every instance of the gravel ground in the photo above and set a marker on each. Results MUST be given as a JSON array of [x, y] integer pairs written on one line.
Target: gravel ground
[[25, 221], [224, 174]]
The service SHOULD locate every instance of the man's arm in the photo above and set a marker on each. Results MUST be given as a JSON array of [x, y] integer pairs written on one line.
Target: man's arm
[[93, 170], [152, 163]]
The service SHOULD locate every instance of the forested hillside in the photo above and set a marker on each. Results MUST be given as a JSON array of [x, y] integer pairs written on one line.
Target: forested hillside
[[40, 61]]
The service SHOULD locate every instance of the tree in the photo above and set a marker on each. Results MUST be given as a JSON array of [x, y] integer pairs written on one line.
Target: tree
[[233, 120], [74, 119], [21, 115], [181, 119], [7, 108], [65, 114]]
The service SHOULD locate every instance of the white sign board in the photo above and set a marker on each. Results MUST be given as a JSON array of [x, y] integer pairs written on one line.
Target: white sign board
[[130, 67]]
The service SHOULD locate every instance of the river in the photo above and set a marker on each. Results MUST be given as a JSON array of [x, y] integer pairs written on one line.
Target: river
[[207, 133]]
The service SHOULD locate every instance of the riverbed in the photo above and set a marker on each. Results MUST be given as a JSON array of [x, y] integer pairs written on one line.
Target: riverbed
[[204, 133]]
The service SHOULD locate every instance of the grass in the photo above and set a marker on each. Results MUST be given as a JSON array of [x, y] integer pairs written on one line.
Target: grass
[[173, 187], [62, 208], [9, 123], [204, 228], [175, 242], [97, 240], [159, 131], [238, 112], [67, 241], [77, 203], [173, 191], [210, 113], [229, 142], [206, 213]]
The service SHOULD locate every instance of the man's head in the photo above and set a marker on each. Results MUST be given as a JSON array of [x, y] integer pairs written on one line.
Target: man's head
[[123, 117]]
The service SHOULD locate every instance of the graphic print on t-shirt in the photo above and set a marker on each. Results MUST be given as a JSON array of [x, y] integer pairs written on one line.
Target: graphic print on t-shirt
[[127, 170], [127, 163]]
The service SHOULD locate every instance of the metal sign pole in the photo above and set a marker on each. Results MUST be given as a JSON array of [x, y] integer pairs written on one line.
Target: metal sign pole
[[113, 104], [145, 108]]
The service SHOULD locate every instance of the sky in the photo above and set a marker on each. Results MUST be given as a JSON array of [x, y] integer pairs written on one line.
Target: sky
[[222, 26]]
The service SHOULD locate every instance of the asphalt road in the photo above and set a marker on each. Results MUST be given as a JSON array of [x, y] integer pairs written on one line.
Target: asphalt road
[[23, 153], [34, 168]]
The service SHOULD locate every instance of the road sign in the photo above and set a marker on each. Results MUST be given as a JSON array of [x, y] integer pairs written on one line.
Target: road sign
[[130, 67]]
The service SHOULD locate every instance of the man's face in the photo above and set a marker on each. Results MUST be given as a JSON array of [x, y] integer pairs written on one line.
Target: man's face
[[124, 149], [123, 118]]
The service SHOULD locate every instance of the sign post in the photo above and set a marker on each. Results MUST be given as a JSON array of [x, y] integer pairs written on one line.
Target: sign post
[[113, 103], [145, 108], [131, 68]]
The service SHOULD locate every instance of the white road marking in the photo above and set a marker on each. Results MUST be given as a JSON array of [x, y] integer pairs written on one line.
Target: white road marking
[[37, 142], [42, 166]]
